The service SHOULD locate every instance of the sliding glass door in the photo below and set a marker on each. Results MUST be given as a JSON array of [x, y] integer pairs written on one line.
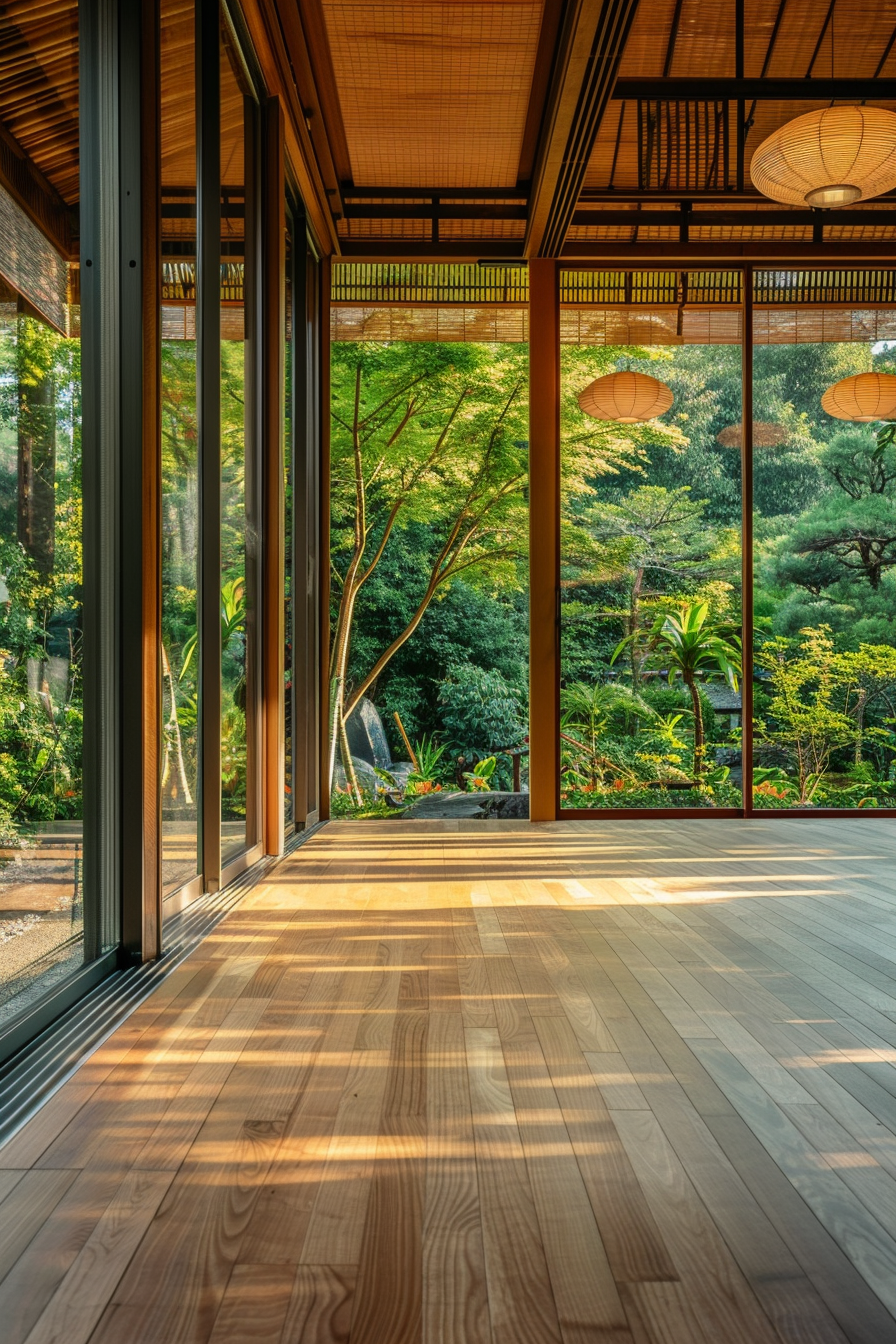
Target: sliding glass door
[[210, 777], [728, 550]]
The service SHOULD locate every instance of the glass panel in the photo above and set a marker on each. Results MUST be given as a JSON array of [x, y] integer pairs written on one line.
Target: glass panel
[[650, 564], [236, 587], [825, 555], [289, 612], [41, 622], [429, 549], [180, 468]]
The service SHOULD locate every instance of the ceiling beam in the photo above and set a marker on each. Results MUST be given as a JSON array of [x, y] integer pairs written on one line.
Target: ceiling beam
[[706, 218], [669, 254], [435, 210], [589, 47], [35, 195], [709, 90]]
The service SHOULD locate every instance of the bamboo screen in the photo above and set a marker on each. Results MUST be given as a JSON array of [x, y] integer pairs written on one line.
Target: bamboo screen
[[429, 302]]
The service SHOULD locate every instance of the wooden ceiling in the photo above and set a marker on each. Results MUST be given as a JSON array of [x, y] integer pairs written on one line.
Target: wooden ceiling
[[494, 128], [428, 103]]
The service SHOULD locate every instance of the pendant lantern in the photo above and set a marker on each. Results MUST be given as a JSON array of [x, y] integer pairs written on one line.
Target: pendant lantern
[[766, 434], [864, 397], [626, 398], [830, 158]]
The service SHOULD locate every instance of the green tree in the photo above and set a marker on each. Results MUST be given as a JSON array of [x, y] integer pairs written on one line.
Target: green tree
[[805, 717], [854, 525], [686, 643]]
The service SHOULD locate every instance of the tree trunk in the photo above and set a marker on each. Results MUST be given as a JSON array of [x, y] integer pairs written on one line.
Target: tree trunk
[[172, 730], [633, 621], [37, 459], [699, 744], [861, 702]]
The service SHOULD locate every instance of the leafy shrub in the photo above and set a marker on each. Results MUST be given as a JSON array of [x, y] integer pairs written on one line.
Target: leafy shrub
[[481, 712]]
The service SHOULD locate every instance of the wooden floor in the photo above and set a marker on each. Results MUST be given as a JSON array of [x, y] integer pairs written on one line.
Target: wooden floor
[[469, 1082]]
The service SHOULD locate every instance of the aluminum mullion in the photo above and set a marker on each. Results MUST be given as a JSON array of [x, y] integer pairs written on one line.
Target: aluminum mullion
[[101, 428], [746, 540]]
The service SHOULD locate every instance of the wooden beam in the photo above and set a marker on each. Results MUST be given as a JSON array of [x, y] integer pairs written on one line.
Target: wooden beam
[[592, 37], [544, 539], [597, 217], [671, 253], [454, 249], [28, 187], [278, 43], [324, 566], [273, 264], [538, 91], [710, 89]]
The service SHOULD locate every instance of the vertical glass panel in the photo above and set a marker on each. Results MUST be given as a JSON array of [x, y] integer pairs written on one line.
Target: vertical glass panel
[[650, 562], [236, 585], [180, 470], [41, 620], [824, 493], [288, 542], [429, 552]]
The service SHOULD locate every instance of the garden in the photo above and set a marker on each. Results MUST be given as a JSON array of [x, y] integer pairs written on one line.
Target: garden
[[429, 580]]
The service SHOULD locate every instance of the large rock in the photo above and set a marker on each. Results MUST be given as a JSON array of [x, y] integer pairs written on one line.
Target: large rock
[[367, 742], [468, 807]]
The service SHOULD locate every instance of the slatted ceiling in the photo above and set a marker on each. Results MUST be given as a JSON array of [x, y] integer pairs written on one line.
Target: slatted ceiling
[[384, 228], [178, 93], [433, 92], [862, 29], [233, 144], [705, 38], [705, 46], [649, 34], [39, 88], [482, 228]]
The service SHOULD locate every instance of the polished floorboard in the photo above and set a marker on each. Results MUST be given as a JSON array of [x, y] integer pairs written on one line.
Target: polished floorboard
[[491, 1083]]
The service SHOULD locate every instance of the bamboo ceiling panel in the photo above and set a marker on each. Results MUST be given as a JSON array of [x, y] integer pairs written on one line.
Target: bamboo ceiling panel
[[429, 324], [433, 93], [592, 326], [39, 86], [178, 93]]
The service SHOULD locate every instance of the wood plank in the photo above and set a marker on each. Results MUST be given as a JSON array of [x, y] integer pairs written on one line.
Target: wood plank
[[83, 1294], [33, 1197], [634, 1246], [717, 1291], [455, 1293], [522, 1304], [320, 1309], [255, 1305], [389, 1290], [336, 1224]]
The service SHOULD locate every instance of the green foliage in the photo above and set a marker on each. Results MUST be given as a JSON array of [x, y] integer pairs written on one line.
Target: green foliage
[[428, 774], [481, 712], [804, 720], [479, 779]]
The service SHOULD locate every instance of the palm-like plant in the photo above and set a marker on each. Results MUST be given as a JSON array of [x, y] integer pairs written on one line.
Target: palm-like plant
[[590, 709], [689, 641]]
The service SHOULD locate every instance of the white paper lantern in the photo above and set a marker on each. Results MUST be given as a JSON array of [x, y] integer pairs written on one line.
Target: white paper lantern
[[626, 398], [830, 158]]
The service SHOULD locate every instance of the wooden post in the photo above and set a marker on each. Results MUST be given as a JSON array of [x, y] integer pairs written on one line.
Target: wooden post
[[324, 374], [544, 539], [273, 263]]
